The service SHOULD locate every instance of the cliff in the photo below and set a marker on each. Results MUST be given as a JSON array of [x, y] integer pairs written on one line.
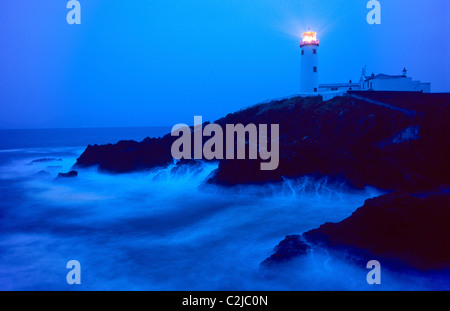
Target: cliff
[[390, 140], [396, 141]]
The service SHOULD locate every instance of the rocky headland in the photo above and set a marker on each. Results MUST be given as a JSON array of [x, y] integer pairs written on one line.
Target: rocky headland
[[395, 141]]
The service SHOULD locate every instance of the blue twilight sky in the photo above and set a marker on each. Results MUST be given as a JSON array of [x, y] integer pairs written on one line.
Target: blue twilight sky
[[160, 62]]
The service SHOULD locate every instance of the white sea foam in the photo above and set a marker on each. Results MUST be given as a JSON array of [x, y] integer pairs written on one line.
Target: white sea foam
[[161, 230]]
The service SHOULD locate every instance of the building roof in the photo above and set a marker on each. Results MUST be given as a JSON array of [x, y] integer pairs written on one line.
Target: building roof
[[383, 76], [330, 85]]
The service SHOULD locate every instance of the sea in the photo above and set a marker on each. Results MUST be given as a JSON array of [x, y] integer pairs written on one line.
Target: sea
[[164, 229]]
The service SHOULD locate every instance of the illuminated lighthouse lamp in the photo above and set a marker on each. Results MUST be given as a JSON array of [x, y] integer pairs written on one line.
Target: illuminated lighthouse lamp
[[309, 38]]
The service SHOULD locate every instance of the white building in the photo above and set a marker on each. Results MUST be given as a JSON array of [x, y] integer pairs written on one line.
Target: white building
[[379, 82], [309, 77], [383, 82]]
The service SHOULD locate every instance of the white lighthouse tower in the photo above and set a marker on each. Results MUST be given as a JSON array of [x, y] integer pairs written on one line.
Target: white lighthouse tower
[[309, 79]]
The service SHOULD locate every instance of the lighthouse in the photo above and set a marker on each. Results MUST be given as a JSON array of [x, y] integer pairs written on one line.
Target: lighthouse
[[309, 78]]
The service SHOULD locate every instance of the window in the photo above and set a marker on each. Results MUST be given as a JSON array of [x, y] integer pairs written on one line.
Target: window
[[303, 52], [315, 90], [314, 51], [314, 69]]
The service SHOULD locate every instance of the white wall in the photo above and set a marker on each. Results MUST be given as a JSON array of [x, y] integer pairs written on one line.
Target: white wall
[[398, 84], [309, 80]]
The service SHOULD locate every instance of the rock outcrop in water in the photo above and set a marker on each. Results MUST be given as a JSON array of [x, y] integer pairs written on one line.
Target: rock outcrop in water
[[44, 160], [128, 155], [388, 140], [396, 227], [69, 174], [292, 246]]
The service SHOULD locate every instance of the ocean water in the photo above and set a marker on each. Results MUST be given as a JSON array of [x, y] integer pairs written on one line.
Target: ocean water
[[163, 230]]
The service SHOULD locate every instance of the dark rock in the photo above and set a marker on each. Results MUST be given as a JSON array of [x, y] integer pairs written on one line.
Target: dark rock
[[397, 227], [128, 156], [68, 174], [42, 173], [344, 139], [44, 160], [292, 246], [352, 140]]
